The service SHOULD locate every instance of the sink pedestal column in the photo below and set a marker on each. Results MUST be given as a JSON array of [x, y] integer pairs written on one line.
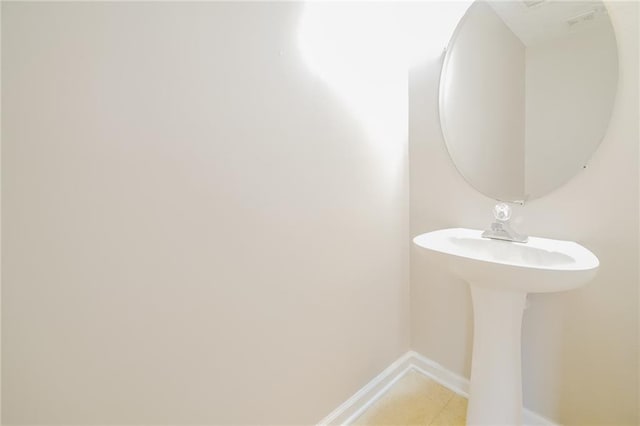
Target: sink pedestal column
[[495, 393]]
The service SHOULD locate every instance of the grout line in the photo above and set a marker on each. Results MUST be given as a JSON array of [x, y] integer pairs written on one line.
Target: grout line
[[443, 408], [359, 402], [376, 397]]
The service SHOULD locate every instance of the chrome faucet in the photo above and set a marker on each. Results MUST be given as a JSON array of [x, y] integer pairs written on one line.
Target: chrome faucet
[[501, 227]]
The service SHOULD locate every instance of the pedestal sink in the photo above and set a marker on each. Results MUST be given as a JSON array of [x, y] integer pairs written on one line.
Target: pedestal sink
[[500, 274]]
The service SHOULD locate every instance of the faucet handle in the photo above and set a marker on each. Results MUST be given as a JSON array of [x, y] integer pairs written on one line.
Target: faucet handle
[[502, 212]]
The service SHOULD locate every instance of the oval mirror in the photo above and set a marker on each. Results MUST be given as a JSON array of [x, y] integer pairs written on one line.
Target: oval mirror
[[526, 93]]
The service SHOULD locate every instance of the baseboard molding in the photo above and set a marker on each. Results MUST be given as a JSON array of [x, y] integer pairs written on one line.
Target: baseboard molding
[[370, 393], [352, 408]]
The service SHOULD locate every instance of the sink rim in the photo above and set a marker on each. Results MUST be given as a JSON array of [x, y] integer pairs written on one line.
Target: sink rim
[[442, 241]]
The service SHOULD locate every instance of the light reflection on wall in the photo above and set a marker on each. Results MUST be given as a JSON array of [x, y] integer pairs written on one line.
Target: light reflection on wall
[[363, 51]]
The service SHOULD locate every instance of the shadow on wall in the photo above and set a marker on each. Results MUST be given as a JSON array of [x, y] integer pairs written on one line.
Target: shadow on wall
[[363, 51]]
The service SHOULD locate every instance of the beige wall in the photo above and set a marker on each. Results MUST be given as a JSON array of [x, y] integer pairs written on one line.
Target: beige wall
[[478, 114], [580, 350], [196, 230]]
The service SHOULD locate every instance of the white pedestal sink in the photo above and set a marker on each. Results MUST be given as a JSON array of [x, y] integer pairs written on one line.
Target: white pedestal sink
[[500, 274]]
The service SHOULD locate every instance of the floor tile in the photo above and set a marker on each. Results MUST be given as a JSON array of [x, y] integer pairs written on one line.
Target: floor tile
[[413, 400], [453, 414]]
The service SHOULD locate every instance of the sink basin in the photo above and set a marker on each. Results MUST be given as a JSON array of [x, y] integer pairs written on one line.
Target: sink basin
[[500, 274], [541, 265]]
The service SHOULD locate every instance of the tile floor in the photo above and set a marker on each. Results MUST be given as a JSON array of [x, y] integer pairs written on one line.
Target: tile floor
[[416, 400]]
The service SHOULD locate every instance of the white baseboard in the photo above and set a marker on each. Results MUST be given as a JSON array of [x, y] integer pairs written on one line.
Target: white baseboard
[[370, 393], [352, 408]]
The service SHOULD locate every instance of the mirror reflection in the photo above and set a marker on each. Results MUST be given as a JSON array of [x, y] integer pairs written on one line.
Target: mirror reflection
[[526, 93]]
